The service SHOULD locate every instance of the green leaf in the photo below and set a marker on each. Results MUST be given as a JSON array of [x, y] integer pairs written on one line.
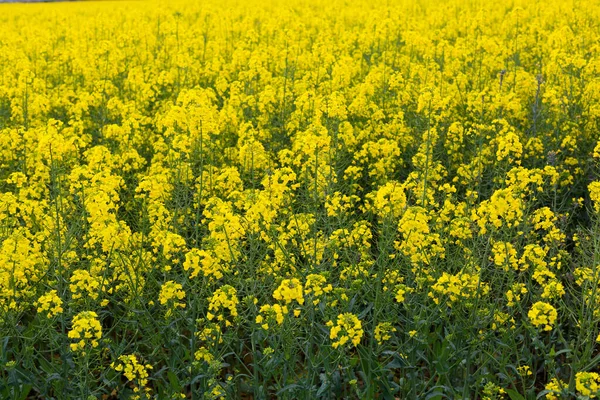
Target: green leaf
[[514, 395], [174, 381], [24, 392]]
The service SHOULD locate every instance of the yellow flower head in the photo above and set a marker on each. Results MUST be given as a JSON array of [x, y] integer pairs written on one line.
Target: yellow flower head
[[171, 294], [223, 305], [346, 330], [384, 331], [49, 304], [543, 315], [587, 383], [86, 331], [289, 290]]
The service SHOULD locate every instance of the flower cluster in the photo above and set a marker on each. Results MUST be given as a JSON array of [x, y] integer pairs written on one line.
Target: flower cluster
[[86, 331], [134, 371], [383, 332], [49, 304], [271, 313], [289, 290], [223, 305], [346, 330], [171, 295], [316, 286], [543, 315], [278, 178], [588, 384]]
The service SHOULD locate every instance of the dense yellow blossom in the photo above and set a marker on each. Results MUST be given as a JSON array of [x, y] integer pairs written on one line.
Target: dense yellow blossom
[[555, 387], [316, 286], [134, 371], [223, 305], [346, 330], [21, 265], [505, 256], [463, 286], [274, 198], [49, 304], [171, 295], [82, 282], [275, 312], [86, 331], [543, 315], [588, 383], [289, 290], [594, 189]]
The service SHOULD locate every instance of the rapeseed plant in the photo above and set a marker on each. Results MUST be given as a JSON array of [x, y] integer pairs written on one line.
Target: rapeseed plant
[[300, 199]]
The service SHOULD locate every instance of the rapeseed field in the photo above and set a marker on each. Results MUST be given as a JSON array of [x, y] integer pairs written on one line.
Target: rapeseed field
[[300, 199]]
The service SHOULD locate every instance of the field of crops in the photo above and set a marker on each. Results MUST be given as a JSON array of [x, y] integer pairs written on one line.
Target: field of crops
[[300, 199]]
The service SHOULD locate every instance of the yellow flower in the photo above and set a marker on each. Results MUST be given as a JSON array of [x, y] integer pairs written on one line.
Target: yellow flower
[[134, 371], [553, 289], [171, 294], [514, 294], [492, 391], [82, 282], [223, 305], [505, 256], [543, 315], [463, 286], [346, 330], [86, 331], [587, 383], [289, 290], [49, 304], [509, 146], [555, 386], [594, 189], [316, 287], [418, 242], [384, 331], [389, 200], [202, 354], [401, 291], [270, 313]]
